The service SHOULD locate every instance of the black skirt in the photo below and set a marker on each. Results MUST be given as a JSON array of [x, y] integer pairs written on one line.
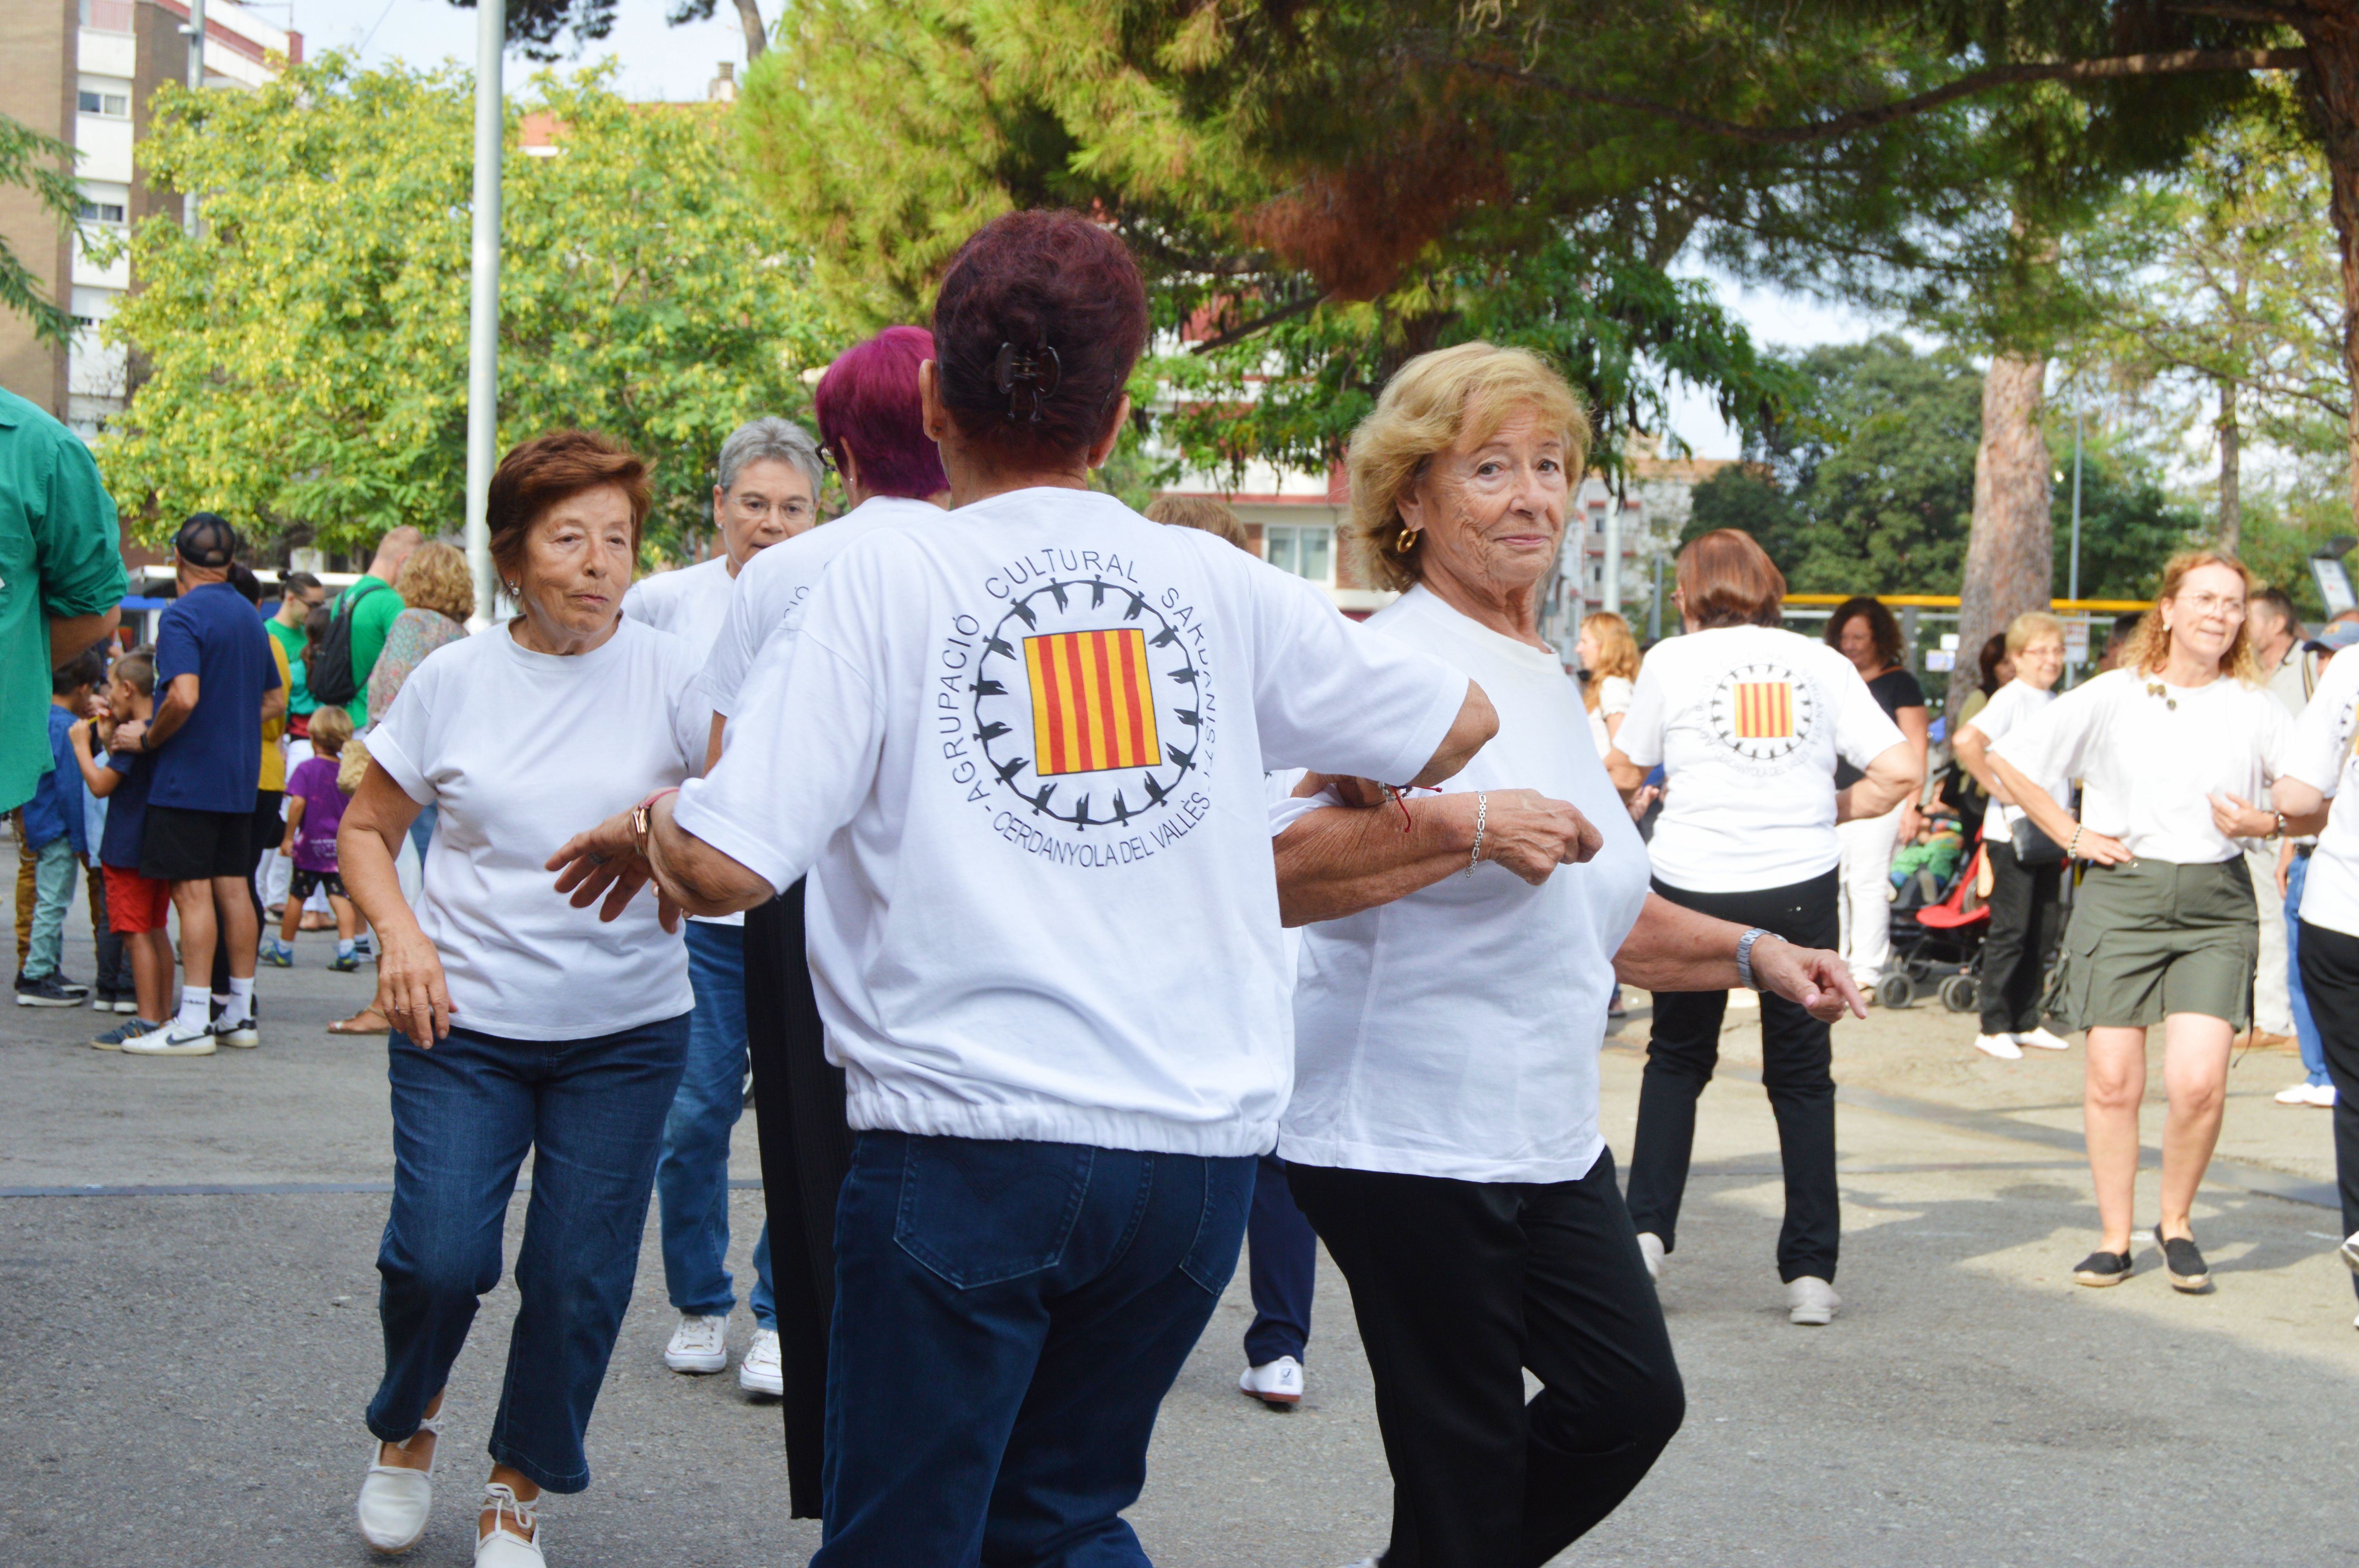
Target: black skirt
[[806, 1150]]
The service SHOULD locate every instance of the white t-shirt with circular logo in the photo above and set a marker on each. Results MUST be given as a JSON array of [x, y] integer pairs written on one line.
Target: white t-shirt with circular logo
[[2324, 760], [1747, 722], [1020, 752]]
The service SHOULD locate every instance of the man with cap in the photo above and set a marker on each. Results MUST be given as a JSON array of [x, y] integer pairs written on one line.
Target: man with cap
[[215, 684]]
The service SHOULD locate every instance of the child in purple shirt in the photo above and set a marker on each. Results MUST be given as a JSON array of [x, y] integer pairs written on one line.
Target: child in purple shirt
[[315, 809]]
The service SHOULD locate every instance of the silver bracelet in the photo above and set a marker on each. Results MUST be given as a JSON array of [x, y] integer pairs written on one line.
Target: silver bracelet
[[1744, 957], [1482, 812]]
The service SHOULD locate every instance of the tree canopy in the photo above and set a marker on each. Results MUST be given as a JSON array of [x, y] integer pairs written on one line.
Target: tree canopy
[[39, 165], [305, 358]]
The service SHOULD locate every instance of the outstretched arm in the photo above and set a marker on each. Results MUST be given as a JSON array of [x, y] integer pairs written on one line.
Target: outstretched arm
[[1673, 948]]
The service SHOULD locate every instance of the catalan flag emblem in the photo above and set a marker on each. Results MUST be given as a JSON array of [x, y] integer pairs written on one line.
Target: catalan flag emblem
[[1765, 710], [1091, 706]]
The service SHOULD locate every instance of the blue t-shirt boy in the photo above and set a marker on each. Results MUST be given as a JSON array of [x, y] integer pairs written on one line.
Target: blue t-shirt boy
[[214, 762]]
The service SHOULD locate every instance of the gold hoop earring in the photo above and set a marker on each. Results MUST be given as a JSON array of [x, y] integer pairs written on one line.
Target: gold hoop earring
[[1406, 542]]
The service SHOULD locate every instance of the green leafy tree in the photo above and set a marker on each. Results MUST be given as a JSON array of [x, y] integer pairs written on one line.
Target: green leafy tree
[[39, 165], [306, 356]]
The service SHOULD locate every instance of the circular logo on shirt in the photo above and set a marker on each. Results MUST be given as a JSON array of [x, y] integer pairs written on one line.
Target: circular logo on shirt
[[1762, 711], [1089, 705]]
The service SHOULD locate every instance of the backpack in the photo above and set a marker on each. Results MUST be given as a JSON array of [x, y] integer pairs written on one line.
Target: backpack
[[330, 674]]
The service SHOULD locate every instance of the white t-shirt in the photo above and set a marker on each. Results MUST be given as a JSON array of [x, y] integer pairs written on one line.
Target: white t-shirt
[[2322, 759], [691, 603], [519, 752], [1613, 694], [1747, 722], [773, 588], [1020, 753], [2011, 707], [2148, 755], [1455, 1031]]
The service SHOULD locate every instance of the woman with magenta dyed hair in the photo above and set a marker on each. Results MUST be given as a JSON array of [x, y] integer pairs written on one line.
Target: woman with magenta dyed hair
[[1020, 753]]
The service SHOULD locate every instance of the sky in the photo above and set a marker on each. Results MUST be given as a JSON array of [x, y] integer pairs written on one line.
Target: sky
[[676, 63]]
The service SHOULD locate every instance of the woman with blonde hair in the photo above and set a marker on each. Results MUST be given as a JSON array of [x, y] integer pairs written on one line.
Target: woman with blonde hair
[[2172, 746], [2026, 866], [1609, 665], [1459, 953]]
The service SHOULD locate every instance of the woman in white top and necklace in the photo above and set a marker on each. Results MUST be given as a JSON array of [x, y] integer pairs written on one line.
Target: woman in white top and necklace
[[2172, 747], [1443, 1132], [2026, 866]]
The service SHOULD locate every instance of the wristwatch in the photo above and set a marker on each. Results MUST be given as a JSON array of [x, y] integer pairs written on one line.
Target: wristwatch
[[1744, 957]]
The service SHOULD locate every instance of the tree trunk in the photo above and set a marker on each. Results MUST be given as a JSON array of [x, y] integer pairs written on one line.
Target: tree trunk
[[757, 40], [2231, 510], [2333, 82], [2009, 553]]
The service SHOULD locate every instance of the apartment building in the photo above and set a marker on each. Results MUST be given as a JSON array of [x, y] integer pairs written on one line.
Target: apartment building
[[84, 72]]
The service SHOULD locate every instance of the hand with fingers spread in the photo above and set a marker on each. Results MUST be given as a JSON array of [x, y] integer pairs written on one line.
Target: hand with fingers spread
[[607, 859]]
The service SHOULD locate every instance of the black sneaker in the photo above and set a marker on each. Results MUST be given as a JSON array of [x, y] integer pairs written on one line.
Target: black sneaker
[[46, 991], [71, 986], [2184, 1264], [2103, 1269]]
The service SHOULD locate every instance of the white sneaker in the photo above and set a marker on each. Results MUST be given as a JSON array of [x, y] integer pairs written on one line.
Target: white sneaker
[[516, 1539], [2350, 1251], [1811, 1301], [2042, 1040], [243, 1035], [394, 1501], [698, 1344], [761, 1372], [1651, 1252], [2322, 1095], [2002, 1046], [1278, 1382], [175, 1039]]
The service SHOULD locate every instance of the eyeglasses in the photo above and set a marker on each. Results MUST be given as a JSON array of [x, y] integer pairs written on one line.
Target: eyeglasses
[[2205, 603], [793, 509]]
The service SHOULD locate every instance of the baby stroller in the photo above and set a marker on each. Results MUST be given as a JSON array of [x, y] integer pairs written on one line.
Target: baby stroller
[[1937, 942]]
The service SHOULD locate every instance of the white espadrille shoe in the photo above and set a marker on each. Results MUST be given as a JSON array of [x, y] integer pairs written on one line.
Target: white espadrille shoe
[[394, 1501], [515, 1538]]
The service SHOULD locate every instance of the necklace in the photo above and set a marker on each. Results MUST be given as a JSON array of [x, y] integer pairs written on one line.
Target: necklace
[[2156, 688]]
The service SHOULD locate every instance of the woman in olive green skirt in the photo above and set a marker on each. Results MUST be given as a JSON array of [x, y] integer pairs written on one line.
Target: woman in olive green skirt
[[2172, 748]]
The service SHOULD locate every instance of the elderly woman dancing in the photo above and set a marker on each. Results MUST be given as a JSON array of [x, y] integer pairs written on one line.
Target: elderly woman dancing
[[1443, 1135], [1042, 925], [520, 1023], [2172, 747]]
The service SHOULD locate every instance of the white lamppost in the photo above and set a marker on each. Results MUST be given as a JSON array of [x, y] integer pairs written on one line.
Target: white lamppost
[[484, 310]]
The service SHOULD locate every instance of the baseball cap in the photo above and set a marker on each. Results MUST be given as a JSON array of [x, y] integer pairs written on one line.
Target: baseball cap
[[206, 539], [2337, 637]]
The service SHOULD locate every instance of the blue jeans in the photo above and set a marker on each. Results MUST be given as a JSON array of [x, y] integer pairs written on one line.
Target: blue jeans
[[1008, 1317], [1284, 1268], [53, 879], [464, 1114], [2305, 1027], [693, 1178]]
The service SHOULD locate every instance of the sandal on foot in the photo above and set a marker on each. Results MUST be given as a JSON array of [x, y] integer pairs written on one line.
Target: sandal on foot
[[367, 1020], [395, 1500], [515, 1538]]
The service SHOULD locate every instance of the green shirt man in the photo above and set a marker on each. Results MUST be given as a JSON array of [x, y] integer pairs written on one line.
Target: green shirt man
[[374, 613], [60, 578]]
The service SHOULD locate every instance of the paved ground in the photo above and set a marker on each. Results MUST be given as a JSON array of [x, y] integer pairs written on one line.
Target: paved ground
[[189, 1369]]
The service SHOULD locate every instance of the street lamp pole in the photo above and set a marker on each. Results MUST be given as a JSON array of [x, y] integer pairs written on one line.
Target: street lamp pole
[[2072, 590], [484, 310], [196, 31]]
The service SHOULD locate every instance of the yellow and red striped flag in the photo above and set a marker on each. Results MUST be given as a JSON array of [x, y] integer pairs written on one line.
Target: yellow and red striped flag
[[1765, 710], [1093, 707]]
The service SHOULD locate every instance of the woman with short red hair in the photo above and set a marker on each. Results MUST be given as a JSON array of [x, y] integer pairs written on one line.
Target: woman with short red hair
[[519, 1022], [1020, 752], [1748, 721]]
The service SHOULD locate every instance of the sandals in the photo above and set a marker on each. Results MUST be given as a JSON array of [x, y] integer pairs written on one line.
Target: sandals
[[505, 1546], [394, 1501], [367, 1020]]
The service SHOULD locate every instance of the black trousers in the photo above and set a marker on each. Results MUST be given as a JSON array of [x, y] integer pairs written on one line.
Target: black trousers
[[806, 1151], [1796, 1053], [2024, 906], [1459, 1286], [2330, 977]]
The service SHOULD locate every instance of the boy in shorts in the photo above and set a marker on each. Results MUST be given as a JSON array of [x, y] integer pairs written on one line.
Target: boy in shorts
[[135, 906], [315, 809]]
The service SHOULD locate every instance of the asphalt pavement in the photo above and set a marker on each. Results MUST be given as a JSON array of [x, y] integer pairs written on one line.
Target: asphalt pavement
[[187, 1285]]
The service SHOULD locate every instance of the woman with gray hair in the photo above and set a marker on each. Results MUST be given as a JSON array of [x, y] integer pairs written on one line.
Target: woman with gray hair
[[765, 491], [1460, 953]]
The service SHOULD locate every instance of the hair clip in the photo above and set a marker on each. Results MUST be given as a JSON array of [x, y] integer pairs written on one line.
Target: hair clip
[[1035, 371]]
